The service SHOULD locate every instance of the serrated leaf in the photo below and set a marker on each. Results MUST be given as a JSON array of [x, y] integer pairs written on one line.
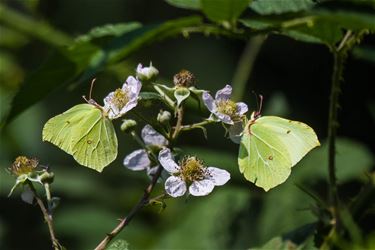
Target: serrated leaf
[[117, 29], [119, 245], [224, 10], [266, 7], [185, 4]]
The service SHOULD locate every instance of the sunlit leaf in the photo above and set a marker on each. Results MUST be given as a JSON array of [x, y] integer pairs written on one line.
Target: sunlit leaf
[[266, 7], [119, 245]]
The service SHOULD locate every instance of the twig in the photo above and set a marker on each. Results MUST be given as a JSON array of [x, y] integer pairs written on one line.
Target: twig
[[196, 125], [125, 221], [177, 129], [47, 217]]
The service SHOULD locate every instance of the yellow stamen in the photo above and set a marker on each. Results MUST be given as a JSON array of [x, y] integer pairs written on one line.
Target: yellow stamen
[[192, 169], [23, 165], [227, 107], [120, 98]]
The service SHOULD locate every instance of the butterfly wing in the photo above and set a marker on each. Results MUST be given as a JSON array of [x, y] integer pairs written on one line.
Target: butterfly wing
[[84, 133], [271, 146]]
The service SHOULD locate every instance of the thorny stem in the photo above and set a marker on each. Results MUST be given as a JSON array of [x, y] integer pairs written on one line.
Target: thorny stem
[[48, 218], [145, 199], [332, 127], [340, 55], [125, 221]]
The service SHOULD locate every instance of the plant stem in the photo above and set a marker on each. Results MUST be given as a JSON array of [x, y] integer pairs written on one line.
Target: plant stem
[[196, 125], [332, 128], [166, 98], [177, 129], [47, 217], [245, 66], [125, 221]]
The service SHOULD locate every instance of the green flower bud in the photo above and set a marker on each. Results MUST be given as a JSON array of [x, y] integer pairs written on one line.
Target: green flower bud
[[128, 125], [146, 73], [164, 117]]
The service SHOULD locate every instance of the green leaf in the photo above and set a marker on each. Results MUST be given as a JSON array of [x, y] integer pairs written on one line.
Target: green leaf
[[224, 10], [113, 30], [271, 146], [181, 93], [149, 96], [266, 7], [278, 243], [119, 245], [85, 59], [185, 4]]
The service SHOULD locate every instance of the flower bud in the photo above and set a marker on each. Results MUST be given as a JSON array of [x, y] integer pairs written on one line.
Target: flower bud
[[128, 125], [146, 73], [164, 117], [184, 78]]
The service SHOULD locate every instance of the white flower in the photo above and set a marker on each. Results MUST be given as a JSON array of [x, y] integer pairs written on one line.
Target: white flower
[[222, 107], [138, 159], [146, 73], [120, 101], [190, 171]]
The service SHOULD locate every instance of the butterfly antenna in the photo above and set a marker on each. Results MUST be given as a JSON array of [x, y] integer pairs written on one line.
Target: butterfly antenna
[[259, 104], [91, 87]]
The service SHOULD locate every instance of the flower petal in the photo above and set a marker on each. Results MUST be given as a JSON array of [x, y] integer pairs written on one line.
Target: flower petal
[[111, 109], [151, 137], [175, 186], [224, 118], [224, 93], [166, 160], [241, 108], [137, 160], [209, 101], [218, 176], [235, 132], [201, 188]]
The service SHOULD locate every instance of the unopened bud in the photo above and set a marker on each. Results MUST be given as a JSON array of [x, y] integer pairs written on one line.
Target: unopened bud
[[164, 116], [184, 78], [128, 125], [147, 73]]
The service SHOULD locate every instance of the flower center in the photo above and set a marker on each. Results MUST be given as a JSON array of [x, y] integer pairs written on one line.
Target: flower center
[[192, 169], [227, 107], [184, 78], [120, 98], [23, 165]]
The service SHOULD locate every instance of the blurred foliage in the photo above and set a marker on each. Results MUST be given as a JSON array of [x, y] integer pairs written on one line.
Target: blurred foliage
[[47, 58]]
